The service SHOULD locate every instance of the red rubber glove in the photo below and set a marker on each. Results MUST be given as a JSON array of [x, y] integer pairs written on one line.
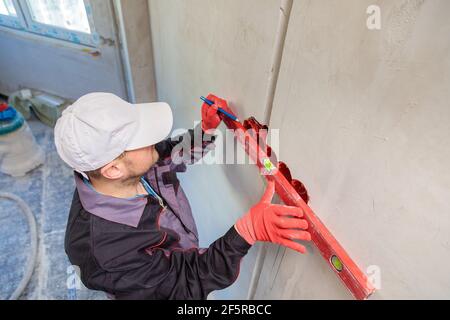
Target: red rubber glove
[[278, 224], [210, 115]]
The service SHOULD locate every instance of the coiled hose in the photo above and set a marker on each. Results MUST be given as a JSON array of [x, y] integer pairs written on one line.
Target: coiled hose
[[31, 261]]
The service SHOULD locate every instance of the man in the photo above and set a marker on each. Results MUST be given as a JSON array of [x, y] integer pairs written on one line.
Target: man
[[130, 228]]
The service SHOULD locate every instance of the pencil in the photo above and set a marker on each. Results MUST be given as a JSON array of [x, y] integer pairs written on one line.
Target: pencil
[[211, 103]]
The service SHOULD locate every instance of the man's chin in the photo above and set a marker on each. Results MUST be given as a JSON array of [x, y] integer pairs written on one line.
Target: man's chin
[[149, 168]]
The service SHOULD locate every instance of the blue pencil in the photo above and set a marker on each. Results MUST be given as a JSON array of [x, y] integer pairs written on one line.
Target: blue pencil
[[211, 103]]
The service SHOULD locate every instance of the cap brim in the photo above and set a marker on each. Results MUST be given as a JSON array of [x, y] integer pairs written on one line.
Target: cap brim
[[155, 124]]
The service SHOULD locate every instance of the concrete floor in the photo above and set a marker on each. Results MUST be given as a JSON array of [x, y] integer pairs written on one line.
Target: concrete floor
[[48, 190]]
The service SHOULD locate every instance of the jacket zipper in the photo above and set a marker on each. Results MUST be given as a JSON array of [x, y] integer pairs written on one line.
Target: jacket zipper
[[168, 205]]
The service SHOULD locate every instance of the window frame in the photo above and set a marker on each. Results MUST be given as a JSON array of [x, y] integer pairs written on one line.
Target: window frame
[[16, 22], [25, 22]]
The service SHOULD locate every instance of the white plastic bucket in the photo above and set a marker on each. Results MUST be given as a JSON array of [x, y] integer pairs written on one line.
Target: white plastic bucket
[[19, 152]]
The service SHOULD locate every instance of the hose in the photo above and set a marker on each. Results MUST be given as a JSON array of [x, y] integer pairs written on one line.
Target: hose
[[31, 261]]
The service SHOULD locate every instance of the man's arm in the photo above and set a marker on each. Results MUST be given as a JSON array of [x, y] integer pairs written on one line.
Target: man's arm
[[187, 148], [159, 273], [196, 143], [141, 264]]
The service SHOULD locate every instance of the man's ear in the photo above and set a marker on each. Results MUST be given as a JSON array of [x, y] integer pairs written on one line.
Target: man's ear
[[113, 171]]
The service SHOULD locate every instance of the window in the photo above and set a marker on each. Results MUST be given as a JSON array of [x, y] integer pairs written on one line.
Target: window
[[69, 20], [8, 14], [67, 14], [7, 8]]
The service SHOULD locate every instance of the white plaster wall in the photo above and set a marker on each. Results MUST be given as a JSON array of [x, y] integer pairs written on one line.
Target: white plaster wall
[[224, 47], [364, 118]]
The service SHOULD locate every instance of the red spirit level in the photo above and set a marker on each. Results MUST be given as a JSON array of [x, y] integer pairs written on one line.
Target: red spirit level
[[293, 193]]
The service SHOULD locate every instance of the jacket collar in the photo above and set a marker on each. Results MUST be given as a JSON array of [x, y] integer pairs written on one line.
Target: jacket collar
[[123, 211]]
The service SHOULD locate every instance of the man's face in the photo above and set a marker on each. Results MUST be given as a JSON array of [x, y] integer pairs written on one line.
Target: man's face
[[138, 162]]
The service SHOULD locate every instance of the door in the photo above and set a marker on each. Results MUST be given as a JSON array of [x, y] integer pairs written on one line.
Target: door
[[67, 47]]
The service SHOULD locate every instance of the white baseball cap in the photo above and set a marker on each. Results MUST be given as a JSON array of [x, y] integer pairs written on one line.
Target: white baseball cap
[[99, 127]]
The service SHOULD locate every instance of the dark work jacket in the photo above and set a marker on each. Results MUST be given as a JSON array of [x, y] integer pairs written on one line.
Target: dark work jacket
[[135, 249]]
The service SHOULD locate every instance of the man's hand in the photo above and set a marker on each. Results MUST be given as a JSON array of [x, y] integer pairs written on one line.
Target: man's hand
[[210, 115], [278, 224]]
